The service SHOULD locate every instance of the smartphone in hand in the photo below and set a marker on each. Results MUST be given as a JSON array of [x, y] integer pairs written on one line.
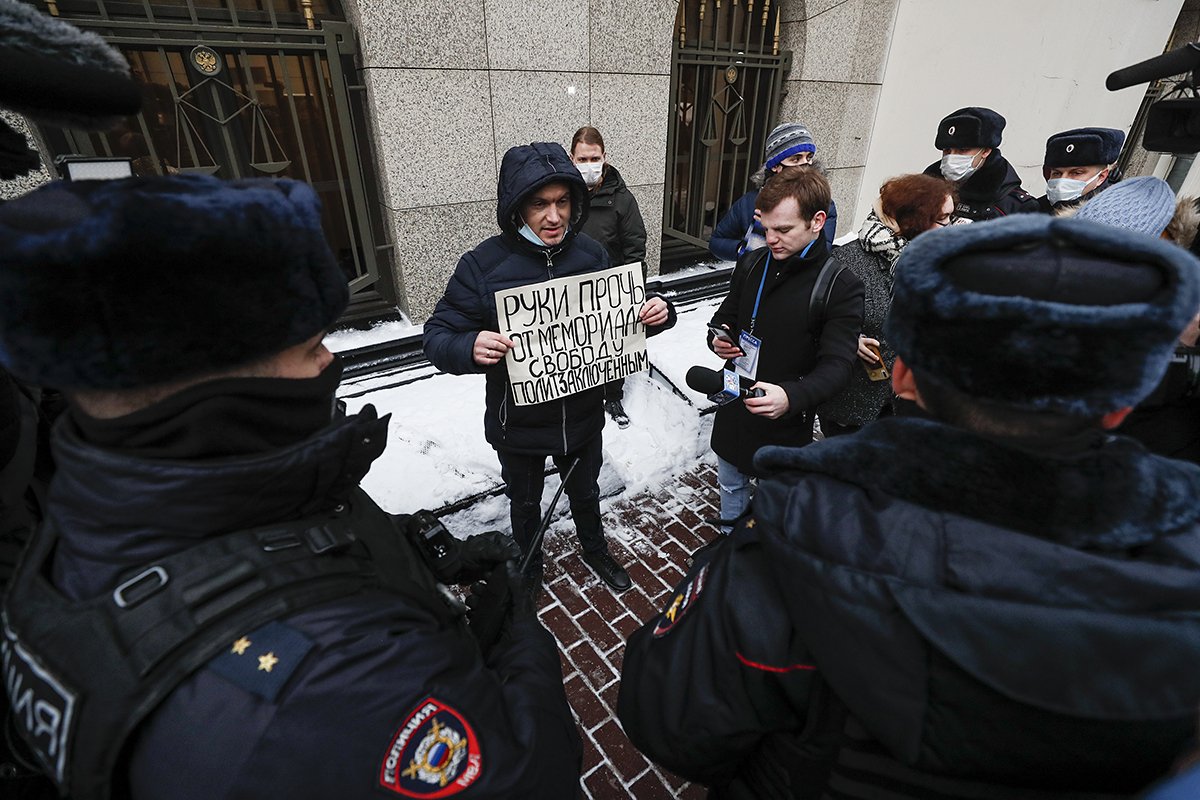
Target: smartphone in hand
[[721, 333]]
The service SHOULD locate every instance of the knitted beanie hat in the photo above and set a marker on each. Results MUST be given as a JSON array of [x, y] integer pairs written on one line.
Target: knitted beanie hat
[[787, 140], [144, 281], [1143, 204]]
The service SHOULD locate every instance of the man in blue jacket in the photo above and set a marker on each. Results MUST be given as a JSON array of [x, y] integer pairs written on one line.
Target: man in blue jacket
[[999, 601], [541, 209], [213, 608], [788, 145]]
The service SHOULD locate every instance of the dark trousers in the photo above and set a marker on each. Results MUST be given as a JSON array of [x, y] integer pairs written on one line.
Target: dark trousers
[[524, 477], [614, 390]]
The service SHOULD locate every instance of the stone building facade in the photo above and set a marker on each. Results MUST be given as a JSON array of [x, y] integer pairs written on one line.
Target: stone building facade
[[443, 89]]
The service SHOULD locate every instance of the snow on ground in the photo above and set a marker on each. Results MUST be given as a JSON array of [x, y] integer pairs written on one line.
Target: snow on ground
[[352, 338], [436, 453]]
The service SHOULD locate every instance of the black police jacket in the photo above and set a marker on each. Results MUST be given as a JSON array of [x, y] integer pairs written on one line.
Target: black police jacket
[[917, 611], [993, 191], [376, 694]]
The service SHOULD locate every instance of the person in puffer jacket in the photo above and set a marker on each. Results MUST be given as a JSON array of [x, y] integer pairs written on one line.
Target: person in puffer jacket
[[541, 208]]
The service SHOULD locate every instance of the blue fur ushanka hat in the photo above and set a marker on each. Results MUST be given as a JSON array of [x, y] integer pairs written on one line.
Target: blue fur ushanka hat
[[1042, 313], [143, 281], [969, 127]]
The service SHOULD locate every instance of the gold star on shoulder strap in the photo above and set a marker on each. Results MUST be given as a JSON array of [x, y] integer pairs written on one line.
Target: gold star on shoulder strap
[[240, 646], [267, 663]]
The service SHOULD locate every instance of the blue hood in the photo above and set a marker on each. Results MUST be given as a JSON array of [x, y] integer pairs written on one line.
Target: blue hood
[[527, 168]]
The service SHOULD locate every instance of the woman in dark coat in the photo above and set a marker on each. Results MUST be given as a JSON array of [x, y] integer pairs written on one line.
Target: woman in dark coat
[[907, 206], [615, 222]]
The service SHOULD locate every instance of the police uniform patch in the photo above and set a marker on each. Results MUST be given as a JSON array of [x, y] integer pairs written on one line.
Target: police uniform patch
[[684, 599], [262, 661], [40, 702], [434, 753]]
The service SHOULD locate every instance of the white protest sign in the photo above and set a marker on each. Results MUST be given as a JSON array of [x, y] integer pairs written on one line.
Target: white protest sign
[[570, 334]]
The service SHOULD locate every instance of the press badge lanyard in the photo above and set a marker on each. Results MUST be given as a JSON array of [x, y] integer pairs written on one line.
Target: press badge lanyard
[[747, 365]]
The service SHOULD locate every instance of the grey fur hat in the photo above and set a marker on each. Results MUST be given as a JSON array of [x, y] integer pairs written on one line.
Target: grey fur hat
[[1043, 313], [145, 281]]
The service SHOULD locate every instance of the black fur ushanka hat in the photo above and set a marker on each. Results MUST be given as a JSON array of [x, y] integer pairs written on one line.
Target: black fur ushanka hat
[[1084, 147], [1043, 313], [143, 281], [969, 127]]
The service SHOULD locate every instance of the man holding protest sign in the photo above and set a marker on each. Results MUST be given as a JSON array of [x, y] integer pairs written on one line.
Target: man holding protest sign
[[539, 312]]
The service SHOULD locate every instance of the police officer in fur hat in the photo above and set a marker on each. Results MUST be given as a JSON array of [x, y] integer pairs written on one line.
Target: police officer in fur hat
[[1079, 164], [997, 601], [988, 187], [213, 607]]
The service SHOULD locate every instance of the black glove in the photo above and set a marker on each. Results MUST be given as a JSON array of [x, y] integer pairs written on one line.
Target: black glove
[[478, 555], [453, 560], [495, 603]]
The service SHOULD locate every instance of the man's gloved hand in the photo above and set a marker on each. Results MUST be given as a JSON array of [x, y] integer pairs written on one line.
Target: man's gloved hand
[[479, 554], [495, 603], [454, 560]]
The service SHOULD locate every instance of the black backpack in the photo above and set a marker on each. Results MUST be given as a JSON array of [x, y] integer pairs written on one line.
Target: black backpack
[[822, 291]]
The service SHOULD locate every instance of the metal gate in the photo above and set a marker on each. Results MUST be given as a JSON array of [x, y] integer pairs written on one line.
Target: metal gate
[[726, 79], [245, 88]]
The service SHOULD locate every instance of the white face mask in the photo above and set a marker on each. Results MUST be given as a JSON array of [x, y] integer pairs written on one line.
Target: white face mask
[[591, 172], [958, 168], [1060, 190]]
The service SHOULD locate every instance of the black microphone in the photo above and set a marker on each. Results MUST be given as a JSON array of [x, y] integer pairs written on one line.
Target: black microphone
[[719, 386], [1181, 59]]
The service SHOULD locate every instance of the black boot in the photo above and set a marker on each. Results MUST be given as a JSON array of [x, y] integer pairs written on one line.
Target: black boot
[[609, 570]]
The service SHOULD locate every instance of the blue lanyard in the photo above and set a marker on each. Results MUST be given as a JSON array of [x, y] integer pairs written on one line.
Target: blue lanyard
[[763, 282]]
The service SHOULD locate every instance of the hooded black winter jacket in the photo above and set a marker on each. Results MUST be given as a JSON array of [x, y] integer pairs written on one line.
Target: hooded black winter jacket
[[505, 262]]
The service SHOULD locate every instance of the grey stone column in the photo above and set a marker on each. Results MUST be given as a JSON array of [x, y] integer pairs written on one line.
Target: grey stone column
[[452, 86], [839, 51]]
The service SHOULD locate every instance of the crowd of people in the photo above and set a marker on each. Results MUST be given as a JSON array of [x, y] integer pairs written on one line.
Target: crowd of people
[[975, 587]]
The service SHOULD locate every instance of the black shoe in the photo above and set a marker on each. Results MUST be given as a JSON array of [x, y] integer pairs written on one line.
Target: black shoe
[[617, 412], [609, 571]]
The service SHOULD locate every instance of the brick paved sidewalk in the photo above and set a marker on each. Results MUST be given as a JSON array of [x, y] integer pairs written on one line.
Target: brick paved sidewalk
[[664, 527]]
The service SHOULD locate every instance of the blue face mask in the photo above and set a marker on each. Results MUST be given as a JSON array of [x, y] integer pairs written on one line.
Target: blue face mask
[[528, 233]]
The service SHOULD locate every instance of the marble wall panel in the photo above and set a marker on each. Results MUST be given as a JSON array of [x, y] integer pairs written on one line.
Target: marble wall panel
[[420, 33], [632, 37], [631, 111], [537, 34], [537, 107], [429, 242], [650, 203], [845, 183], [840, 116], [848, 42], [434, 131]]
